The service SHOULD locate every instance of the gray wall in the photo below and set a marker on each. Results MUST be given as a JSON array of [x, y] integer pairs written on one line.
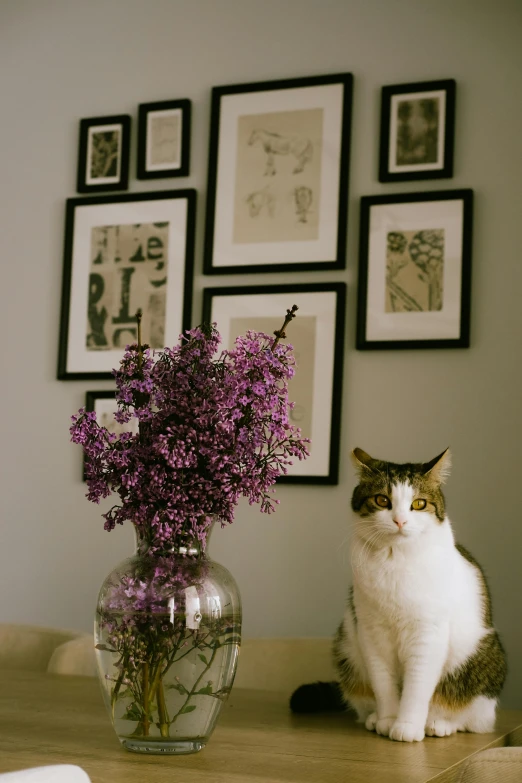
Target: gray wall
[[61, 60]]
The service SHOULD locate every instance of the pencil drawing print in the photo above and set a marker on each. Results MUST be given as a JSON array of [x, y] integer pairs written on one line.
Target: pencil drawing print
[[261, 200], [414, 271], [417, 131], [287, 148], [128, 270], [164, 137], [276, 144], [303, 202], [303, 339], [104, 154]]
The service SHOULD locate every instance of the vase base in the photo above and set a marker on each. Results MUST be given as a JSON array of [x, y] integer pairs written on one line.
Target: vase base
[[162, 747]]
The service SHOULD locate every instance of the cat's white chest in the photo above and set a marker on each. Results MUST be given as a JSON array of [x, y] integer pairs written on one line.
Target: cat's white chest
[[405, 583]]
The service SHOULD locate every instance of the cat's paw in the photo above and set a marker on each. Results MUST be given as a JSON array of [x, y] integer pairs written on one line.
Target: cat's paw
[[404, 731], [384, 725], [371, 721], [440, 728]]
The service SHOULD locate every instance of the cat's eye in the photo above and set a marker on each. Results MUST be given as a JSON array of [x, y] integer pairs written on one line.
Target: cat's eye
[[418, 504], [383, 501]]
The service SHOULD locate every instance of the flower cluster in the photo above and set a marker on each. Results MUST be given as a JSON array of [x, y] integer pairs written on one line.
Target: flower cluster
[[212, 428]]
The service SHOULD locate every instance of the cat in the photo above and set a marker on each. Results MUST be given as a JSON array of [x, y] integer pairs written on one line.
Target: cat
[[416, 653]]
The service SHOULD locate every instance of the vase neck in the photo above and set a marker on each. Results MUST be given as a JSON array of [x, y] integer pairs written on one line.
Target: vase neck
[[184, 547]]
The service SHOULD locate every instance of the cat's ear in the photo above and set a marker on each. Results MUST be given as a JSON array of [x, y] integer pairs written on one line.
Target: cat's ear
[[438, 469], [364, 464]]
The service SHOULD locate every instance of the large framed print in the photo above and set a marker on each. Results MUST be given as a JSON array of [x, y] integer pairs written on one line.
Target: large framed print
[[417, 131], [277, 190], [103, 403], [415, 270], [164, 139], [122, 254], [103, 154], [317, 335]]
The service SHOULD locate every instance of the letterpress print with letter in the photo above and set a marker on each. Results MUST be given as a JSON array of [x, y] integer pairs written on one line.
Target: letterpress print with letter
[[123, 254], [129, 270]]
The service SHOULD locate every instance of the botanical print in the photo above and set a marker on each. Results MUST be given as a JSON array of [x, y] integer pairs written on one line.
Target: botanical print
[[128, 271], [104, 154], [303, 338], [414, 271], [417, 131], [164, 139], [278, 176]]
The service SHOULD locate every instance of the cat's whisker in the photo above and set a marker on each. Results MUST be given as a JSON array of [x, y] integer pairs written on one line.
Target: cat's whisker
[[369, 543]]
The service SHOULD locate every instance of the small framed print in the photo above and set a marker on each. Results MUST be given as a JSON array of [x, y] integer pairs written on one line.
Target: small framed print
[[417, 131], [415, 270], [278, 176], [317, 335], [103, 403], [164, 139], [122, 254], [103, 158]]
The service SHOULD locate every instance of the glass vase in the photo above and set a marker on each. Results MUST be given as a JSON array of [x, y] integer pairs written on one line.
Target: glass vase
[[167, 636]]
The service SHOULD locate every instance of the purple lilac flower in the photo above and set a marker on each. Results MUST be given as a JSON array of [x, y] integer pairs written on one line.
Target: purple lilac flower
[[213, 428]]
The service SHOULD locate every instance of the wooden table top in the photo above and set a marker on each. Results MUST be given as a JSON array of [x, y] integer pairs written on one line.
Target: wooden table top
[[53, 719]]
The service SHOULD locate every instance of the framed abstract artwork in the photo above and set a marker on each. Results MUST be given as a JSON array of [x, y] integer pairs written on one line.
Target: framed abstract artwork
[[122, 254], [103, 156], [103, 403], [417, 131], [317, 335], [278, 175], [415, 270], [164, 139]]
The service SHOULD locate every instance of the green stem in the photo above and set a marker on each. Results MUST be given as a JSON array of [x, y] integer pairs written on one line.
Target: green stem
[[145, 689], [162, 710], [192, 691], [115, 691]]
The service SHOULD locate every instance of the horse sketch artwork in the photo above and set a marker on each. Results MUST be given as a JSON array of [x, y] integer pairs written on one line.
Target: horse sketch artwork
[[274, 144], [278, 176], [303, 202], [261, 200]]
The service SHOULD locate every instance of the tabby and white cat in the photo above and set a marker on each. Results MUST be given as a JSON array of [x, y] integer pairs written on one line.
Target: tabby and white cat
[[416, 652]]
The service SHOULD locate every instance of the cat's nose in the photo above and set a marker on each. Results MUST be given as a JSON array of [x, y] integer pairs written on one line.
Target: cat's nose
[[399, 522]]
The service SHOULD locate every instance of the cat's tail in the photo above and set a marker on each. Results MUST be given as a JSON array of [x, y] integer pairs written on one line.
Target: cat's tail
[[318, 697]]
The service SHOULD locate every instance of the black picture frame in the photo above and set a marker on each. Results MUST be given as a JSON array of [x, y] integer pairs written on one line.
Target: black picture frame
[[419, 146], [98, 307], [103, 154], [318, 339], [414, 288], [173, 136], [277, 192]]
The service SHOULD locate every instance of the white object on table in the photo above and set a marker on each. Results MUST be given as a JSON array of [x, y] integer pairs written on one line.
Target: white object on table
[[56, 773]]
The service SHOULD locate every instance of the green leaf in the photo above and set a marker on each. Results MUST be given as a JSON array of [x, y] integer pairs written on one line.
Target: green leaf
[[206, 690], [177, 686], [104, 647], [190, 708], [202, 658], [133, 712]]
